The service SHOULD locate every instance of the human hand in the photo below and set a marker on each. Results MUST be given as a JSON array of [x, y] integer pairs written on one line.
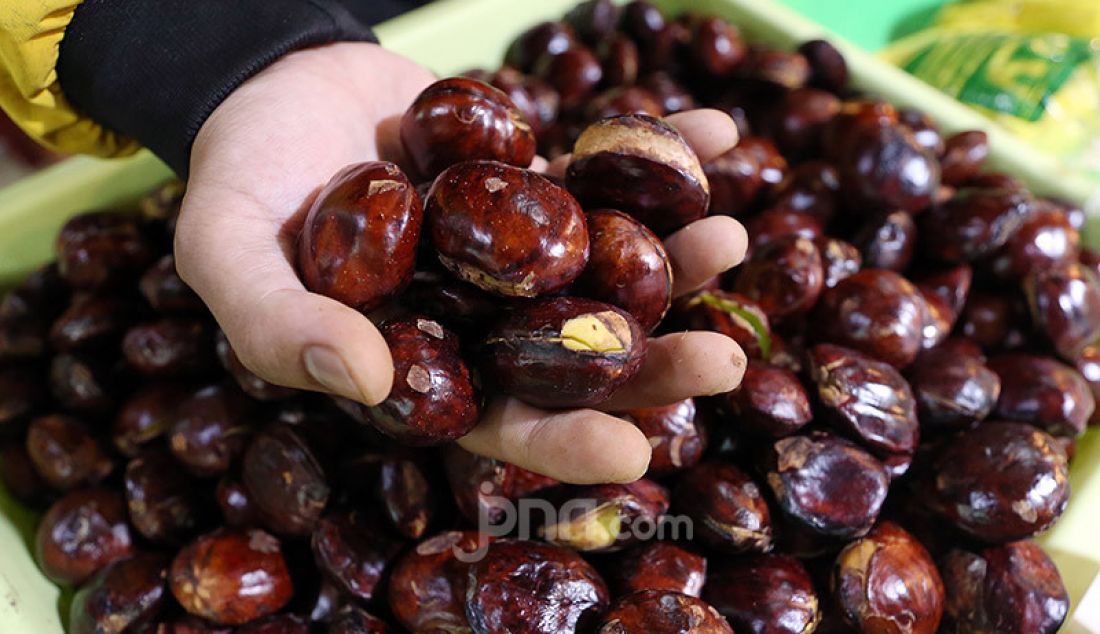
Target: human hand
[[257, 164]]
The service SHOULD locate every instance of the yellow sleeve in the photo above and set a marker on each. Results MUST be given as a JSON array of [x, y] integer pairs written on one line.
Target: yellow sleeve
[[30, 34]]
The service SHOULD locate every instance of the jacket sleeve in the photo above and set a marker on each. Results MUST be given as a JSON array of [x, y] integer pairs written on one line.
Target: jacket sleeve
[[30, 35], [103, 76]]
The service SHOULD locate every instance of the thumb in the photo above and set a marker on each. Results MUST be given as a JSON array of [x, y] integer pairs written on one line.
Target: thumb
[[280, 331]]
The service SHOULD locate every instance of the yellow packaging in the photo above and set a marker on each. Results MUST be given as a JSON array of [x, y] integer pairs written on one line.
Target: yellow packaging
[[1031, 65]]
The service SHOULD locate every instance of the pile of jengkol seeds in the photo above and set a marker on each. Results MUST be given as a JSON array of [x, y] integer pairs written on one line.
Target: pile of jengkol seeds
[[920, 336]]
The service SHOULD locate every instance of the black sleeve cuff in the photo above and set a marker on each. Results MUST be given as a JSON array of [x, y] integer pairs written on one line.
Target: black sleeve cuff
[[155, 70]]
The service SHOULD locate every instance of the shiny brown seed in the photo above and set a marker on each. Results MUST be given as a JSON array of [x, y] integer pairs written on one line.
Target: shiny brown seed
[[461, 119], [764, 594], [434, 398], [607, 517], [659, 611], [727, 508], [953, 391], [1012, 588], [876, 312], [865, 399], [1043, 392], [164, 506], [564, 352], [660, 566], [642, 166], [785, 277], [285, 481], [65, 453], [628, 267], [826, 484], [122, 597], [998, 482], [1065, 306], [427, 589], [770, 401], [353, 552], [82, 533], [358, 243], [507, 230], [675, 437], [533, 588], [887, 582], [231, 576]]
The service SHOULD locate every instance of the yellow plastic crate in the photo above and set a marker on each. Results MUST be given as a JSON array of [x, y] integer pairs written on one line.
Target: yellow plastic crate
[[449, 37]]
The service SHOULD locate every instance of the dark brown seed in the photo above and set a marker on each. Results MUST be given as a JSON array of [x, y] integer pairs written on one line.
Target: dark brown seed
[[83, 383], [677, 441], [883, 168], [354, 620], [764, 594], [1043, 392], [165, 506], [887, 582], [641, 165], [93, 321], [103, 248], [827, 484], [953, 391], [660, 566], [353, 552], [1013, 588], [211, 430], [170, 348], [998, 482], [973, 223], [162, 287], [876, 312], [433, 399], [652, 611], [628, 267], [146, 416], [731, 314], [728, 510], [839, 259], [963, 157], [120, 598], [427, 589], [532, 588], [481, 485], [1045, 240], [1065, 306], [82, 533], [65, 453], [828, 69], [770, 401], [866, 399], [231, 576], [461, 119], [607, 517], [285, 481], [507, 230], [886, 241], [564, 352], [784, 278]]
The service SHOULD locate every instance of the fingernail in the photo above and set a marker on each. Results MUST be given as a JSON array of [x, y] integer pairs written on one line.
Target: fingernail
[[327, 367]]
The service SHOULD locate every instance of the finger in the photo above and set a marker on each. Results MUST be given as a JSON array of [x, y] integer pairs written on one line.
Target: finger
[[577, 446], [679, 366], [709, 132], [280, 331], [703, 249], [538, 164]]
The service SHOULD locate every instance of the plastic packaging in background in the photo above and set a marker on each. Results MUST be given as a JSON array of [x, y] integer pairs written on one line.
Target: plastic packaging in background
[[1031, 65]]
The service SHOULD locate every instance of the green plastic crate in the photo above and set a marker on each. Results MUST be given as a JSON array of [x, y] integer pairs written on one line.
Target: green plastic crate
[[453, 35]]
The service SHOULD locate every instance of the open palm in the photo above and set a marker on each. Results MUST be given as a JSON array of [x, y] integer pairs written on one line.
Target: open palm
[[256, 165]]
